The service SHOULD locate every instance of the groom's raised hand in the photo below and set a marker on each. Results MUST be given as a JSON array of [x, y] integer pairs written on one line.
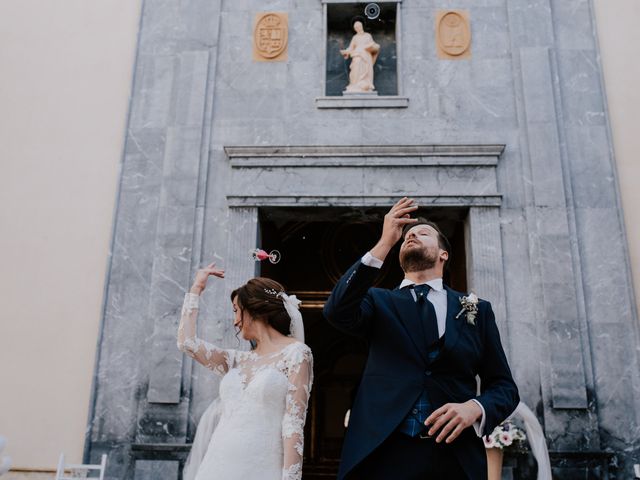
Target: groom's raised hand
[[394, 222], [452, 418]]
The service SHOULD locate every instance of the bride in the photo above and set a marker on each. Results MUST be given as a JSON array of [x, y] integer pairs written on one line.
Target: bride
[[264, 393]]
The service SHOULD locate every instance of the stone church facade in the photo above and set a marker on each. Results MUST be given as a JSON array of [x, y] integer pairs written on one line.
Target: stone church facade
[[506, 143]]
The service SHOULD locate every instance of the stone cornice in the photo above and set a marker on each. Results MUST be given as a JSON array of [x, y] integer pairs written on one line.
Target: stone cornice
[[364, 155]]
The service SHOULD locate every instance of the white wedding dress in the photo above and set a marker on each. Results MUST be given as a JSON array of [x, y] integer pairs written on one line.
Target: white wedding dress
[[263, 406]]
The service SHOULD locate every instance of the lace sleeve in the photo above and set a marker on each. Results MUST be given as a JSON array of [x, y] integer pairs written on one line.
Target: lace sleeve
[[217, 359], [300, 373]]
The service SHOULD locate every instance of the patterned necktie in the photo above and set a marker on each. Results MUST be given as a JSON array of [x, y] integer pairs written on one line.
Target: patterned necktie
[[427, 315]]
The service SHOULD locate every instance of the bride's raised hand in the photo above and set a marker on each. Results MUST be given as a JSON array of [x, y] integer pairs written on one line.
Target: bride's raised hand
[[202, 275]]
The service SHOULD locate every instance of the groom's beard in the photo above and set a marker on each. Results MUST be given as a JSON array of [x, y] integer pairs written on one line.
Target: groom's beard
[[417, 259]]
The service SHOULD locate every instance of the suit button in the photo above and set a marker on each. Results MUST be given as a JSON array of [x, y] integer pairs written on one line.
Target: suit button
[[427, 372], [414, 411]]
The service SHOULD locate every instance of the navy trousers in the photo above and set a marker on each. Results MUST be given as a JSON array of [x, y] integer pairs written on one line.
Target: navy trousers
[[401, 457]]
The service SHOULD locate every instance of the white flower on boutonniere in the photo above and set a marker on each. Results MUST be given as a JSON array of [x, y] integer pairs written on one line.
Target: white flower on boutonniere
[[469, 305]]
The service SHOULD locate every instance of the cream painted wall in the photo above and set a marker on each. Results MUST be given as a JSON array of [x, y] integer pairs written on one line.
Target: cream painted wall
[[67, 68], [617, 23]]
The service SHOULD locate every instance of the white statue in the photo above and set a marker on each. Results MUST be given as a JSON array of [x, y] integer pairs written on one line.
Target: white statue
[[363, 52]]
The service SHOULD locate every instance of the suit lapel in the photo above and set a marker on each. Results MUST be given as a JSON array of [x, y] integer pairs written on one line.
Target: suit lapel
[[407, 311], [452, 331]]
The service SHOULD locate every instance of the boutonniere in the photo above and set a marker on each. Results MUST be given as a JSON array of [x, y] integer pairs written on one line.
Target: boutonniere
[[469, 305]]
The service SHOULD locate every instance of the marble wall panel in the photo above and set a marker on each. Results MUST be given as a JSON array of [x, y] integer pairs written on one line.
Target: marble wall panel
[[461, 95], [142, 168], [614, 331], [261, 105], [527, 337], [579, 82], [412, 5], [154, 80], [243, 5], [172, 262], [537, 86], [376, 133], [559, 303], [546, 171], [416, 20], [573, 24], [530, 23], [158, 470], [170, 278], [469, 181], [161, 423], [305, 40], [510, 176], [300, 75], [489, 31], [591, 171], [605, 287], [556, 256], [236, 30], [246, 132], [569, 430], [494, 72], [191, 83], [124, 321], [172, 26], [313, 181], [617, 394]]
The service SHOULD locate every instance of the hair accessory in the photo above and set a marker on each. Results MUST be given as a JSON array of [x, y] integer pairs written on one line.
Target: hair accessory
[[292, 306]]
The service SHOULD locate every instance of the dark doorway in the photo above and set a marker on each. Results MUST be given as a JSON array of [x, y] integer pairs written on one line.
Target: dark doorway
[[317, 246]]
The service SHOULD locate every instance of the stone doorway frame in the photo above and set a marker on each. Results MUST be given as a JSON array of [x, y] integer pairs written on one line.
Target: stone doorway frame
[[325, 176]]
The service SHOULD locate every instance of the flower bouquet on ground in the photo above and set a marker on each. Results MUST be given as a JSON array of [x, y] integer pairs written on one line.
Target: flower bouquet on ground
[[504, 436]]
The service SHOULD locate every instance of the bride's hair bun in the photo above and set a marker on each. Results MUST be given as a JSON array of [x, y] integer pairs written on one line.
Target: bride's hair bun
[[261, 298]]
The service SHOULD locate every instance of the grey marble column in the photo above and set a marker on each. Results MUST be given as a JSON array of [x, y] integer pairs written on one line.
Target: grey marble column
[[485, 269], [242, 238]]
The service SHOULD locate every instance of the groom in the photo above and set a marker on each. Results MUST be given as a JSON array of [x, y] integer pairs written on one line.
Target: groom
[[416, 414]]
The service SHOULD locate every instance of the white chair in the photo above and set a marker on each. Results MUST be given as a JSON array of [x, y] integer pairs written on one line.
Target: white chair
[[67, 471], [5, 462]]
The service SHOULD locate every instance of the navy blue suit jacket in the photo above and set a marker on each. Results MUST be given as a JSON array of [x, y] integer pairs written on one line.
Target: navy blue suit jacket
[[398, 369]]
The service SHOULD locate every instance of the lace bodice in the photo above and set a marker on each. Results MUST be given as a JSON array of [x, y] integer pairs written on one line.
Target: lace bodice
[[255, 384]]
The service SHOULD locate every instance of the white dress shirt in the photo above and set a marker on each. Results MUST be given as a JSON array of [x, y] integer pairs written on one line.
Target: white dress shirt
[[438, 297]]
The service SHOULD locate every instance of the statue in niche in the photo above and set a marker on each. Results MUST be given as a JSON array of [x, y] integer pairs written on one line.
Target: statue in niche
[[363, 52]]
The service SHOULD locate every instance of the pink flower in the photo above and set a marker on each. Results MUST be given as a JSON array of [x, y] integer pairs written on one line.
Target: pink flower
[[489, 442], [506, 439]]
